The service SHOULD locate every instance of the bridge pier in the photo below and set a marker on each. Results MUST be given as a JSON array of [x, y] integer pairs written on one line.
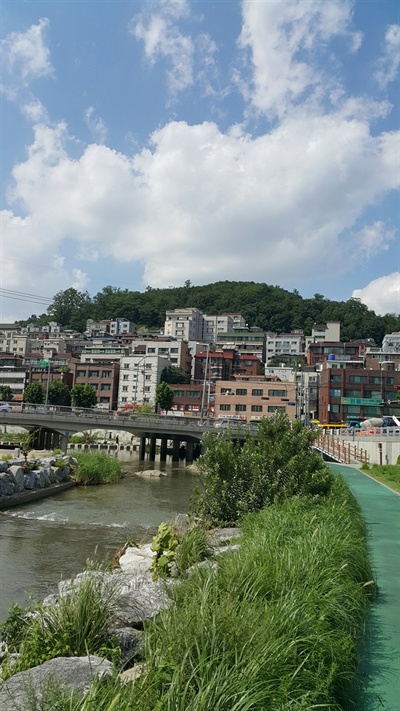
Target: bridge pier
[[163, 449], [175, 449], [189, 452], [142, 448], [152, 451]]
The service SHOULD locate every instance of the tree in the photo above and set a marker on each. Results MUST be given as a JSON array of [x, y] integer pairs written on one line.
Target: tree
[[71, 308], [6, 394], [164, 396], [83, 395], [173, 374], [59, 394], [35, 393]]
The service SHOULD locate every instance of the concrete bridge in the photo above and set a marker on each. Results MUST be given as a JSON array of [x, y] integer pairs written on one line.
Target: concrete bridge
[[52, 425]]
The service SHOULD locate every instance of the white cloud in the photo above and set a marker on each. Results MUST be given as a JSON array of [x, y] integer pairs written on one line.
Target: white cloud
[[25, 55], [381, 295], [283, 39], [163, 40], [373, 239], [95, 125], [34, 110], [388, 64], [205, 205]]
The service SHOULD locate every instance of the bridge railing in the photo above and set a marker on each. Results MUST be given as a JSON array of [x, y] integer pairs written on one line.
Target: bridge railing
[[337, 448]]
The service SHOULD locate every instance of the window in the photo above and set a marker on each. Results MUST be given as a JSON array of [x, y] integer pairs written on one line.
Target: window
[[125, 377], [193, 393], [241, 391], [334, 392], [374, 380], [240, 408], [148, 366], [335, 408], [93, 373], [260, 393], [357, 379], [277, 393], [174, 350], [151, 350], [81, 373], [256, 408], [105, 386], [124, 388], [106, 374], [273, 408], [225, 408], [148, 377], [336, 378], [104, 399], [147, 389]]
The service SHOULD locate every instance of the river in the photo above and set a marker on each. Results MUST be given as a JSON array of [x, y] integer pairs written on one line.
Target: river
[[43, 542]]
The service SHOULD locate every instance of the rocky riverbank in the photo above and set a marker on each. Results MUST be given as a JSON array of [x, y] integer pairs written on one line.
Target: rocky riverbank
[[136, 597], [22, 481]]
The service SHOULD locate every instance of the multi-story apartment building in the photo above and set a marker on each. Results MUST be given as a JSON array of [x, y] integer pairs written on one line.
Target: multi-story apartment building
[[254, 398], [288, 344], [190, 399], [391, 343], [245, 341], [318, 353], [15, 377], [224, 364], [105, 349], [120, 326], [14, 342], [225, 323], [330, 331], [140, 376], [103, 376], [184, 324], [178, 352], [347, 390]]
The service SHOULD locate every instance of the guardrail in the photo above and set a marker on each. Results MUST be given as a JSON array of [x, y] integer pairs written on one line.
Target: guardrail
[[368, 432], [342, 451]]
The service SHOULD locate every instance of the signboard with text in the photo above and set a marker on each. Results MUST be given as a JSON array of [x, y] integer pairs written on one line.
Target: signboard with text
[[367, 401]]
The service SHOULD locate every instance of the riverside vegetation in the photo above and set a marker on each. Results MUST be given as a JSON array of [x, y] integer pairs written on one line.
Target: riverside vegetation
[[275, 624]]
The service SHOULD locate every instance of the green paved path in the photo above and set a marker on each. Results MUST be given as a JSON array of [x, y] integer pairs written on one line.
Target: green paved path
[[381, 509]]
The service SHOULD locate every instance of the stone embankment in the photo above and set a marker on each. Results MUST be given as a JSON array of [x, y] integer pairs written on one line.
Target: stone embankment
[[22, 481], [136, 598]]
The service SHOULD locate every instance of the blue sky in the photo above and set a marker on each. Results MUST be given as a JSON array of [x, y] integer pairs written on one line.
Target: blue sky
[[151, 143]]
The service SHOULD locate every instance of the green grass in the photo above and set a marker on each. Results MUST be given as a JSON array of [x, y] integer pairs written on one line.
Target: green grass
[[77, 625], [387, 474], [96, 468], [274, 626]]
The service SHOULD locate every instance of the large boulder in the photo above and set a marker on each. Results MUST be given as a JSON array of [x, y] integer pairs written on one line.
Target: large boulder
[[29, 480], [18, 474], [7, 484], [70, 673], [137, 560]]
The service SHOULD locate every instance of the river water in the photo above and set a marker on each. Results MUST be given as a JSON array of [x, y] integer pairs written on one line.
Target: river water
[[46, 541]]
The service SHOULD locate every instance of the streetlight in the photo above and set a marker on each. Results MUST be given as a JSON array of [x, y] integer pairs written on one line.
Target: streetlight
[[43, 364]]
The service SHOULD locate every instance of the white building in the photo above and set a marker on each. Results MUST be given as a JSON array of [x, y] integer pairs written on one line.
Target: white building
[[330, 331], [184, 324], [391, 343], [224, 323], [121, 325], [278, 344], [14, 342], [139, 378]]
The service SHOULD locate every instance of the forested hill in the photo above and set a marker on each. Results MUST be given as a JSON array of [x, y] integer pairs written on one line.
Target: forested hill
[[268, 307]]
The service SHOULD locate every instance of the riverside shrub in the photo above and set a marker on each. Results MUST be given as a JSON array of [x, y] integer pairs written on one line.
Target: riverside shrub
[[96, 468], [240, 477]]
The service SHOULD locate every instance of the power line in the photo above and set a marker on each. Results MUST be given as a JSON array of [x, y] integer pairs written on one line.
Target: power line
[[22, 296]]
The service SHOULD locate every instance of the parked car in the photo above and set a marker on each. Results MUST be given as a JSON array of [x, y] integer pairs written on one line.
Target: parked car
[[5, 407]]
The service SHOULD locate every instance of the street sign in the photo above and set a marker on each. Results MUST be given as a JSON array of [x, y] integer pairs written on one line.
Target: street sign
[[367, 401]]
